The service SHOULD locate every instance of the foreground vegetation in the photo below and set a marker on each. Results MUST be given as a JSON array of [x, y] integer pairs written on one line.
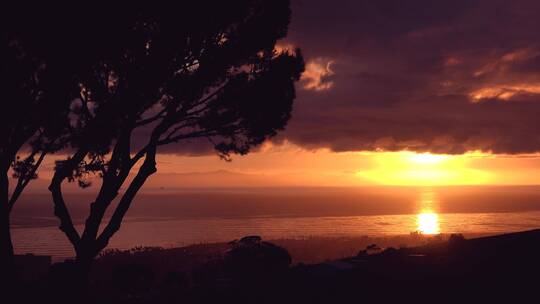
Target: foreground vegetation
[[250, 270]]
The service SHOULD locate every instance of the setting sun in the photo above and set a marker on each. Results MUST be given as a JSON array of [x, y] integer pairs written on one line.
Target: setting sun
[[428, 223]]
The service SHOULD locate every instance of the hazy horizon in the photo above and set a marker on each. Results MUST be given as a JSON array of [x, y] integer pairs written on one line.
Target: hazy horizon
[[190, 216]]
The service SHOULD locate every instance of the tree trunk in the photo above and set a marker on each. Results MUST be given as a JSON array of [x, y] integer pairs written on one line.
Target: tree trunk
[[69, 281], [6, 246], [82, 271], [75, 281]]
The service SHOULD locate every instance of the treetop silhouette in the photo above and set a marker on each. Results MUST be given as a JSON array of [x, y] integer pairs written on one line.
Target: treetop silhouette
[[208, 71], [34, 121]]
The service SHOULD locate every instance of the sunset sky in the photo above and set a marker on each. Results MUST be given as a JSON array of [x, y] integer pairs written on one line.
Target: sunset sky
[[303, 150], [428, 93]]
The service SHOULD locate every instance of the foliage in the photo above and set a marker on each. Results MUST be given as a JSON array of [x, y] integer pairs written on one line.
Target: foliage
[[173, 76]]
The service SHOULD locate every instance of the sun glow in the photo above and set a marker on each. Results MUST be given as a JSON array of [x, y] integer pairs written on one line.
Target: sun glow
[[427, 158], [428, 223], [425, 169], [427, 220]]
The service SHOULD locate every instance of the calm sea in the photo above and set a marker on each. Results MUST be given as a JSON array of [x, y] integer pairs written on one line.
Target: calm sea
[[171, 218]]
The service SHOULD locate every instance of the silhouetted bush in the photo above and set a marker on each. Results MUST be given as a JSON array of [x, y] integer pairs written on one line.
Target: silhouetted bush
[[252, 256], [132, 278], [456, 240]]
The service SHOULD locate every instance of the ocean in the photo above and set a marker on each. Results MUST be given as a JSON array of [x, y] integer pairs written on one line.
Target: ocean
[[180, 217]]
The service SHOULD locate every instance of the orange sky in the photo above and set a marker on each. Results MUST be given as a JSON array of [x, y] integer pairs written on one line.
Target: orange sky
[[289, 165]]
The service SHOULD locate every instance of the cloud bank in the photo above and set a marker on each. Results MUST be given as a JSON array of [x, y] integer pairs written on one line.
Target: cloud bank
[[430, 76]]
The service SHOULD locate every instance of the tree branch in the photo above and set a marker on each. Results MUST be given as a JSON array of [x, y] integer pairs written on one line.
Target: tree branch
[[60, 209], [146, 121], [24, 180], [178, 128], [210, 96], [111, 183], [202, 133], [146, 170]]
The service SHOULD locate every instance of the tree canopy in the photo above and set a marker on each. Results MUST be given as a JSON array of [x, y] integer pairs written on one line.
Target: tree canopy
[[153, 76], [34, 120]]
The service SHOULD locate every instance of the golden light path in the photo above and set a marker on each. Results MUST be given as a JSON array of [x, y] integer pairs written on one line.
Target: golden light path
[[427, 220]]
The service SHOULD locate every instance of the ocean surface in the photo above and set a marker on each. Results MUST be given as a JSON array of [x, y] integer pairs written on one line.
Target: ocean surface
[[172, 218]]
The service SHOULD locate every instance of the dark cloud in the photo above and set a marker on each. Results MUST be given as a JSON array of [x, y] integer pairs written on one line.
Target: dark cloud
[[441, 76], [446, 76]]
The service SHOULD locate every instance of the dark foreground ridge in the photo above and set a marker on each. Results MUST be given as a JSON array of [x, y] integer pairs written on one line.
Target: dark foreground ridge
[[482, 270]]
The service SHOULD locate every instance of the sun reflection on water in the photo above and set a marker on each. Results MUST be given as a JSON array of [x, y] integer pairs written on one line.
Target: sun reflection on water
[[427, 220], [428, 223]]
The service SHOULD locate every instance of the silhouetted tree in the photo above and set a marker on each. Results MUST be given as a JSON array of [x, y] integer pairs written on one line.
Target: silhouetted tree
[[33, 119], [160, 76]]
